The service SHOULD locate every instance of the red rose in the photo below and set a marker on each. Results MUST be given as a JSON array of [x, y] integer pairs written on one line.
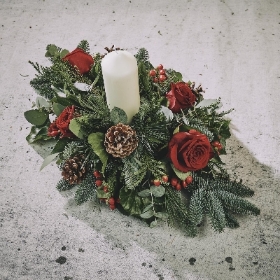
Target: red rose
[[189, 151], [63, 121], [180, 97], [80, 59]]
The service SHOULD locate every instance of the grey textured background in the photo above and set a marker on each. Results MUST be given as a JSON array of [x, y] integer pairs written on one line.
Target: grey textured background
[[231, 47]]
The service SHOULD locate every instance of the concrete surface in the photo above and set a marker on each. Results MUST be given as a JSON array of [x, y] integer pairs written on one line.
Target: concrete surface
[[232, 48]]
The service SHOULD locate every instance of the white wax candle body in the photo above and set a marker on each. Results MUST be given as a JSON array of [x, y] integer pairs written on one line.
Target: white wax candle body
[[120, 74]]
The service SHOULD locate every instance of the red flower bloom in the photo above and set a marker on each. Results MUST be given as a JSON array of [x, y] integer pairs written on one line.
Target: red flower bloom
[[189, 152], [80, 59], [53, 130], [180, 97], [63, 121]]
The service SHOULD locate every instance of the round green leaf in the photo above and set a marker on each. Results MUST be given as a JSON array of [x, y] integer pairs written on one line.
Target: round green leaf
[[36, 117], [144, 193], [157, 191]]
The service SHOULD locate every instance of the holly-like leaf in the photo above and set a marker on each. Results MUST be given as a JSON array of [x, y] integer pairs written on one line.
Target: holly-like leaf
[[63, 53], [48, 160], [60, 145], [52, 50], [130, 201], [37, 133], [58, 108], [96, 140], [75, 127], [157, 191], [181, 175], [118, 115], [36, 117]]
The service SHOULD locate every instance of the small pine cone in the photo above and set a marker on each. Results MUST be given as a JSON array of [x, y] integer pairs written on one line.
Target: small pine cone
[[73, 170], [120, 140]]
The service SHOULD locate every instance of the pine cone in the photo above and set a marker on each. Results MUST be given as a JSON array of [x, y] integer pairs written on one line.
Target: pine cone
[[73, 170], [120, 140]]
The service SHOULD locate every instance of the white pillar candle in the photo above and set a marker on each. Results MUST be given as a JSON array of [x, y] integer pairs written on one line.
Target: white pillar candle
[[120, 74]]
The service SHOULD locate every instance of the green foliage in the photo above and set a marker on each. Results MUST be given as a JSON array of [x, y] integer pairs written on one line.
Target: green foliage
[[86, 189], [64, 185], [211, 194], [84, 45]]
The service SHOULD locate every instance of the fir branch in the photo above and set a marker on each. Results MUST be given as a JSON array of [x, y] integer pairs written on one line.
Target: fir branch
[[84, 45], [215, 210], [177, 211], [86, 189], [196, 207], [235, 204], [64, 185], [72, 148], [231, 222]]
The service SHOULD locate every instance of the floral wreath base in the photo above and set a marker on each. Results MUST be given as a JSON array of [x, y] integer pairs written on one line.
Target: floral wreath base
[[164, 164]]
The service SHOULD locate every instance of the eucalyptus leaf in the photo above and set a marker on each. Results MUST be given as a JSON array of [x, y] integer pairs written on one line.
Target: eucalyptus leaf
[[36, 117], [48, 160], [157, 191], [37, 133], [118, 115], [181, 175], [148, 214], [145, 193], [42, 103], [58, 108], [96, 140], [167, 112], [161, 215], [75, 127], [153, 223], [63, 53], [148, 207]]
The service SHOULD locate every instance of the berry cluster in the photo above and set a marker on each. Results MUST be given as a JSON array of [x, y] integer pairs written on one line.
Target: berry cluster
[[217, 146], [175, 182], [99, 183], [158, 75]]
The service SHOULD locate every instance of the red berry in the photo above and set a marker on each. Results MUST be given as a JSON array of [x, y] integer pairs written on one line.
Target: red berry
[[98, 183], [188, 180], [216, 144], [156, 182], [155, 80], [184, 184], [105, 189], [162, 72], [220, 147], [160, 67], [162, 78], [97, 174], [111, 200], [112, 206], [178, 187], [174, 182], [164, 178], [152, 73]]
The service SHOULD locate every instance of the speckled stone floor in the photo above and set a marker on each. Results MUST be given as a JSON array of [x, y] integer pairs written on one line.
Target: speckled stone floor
[[232, 48]]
